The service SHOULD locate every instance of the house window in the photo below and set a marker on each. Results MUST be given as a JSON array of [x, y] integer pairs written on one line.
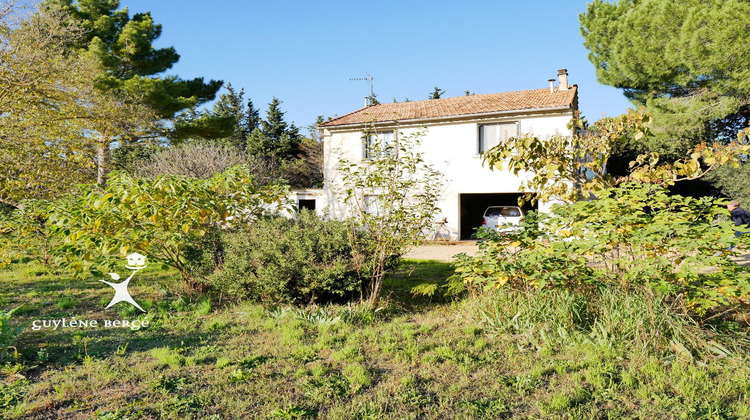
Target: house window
[[371, 205], [308, 204], [490, 135], [376, 141]]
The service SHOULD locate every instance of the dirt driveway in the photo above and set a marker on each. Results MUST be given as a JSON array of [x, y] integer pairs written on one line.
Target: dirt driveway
[[442, 251]]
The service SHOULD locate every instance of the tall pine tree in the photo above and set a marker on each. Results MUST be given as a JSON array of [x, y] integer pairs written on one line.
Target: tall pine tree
[[246, 118], [129, 68], [687, 62], [252, 118], [231, 104], [275, 138], [274, 125]]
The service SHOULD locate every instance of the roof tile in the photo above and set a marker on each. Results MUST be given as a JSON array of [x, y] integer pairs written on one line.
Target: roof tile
[[458, 105]]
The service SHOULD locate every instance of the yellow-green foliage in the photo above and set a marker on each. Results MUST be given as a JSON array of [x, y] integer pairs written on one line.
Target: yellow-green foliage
[[159, 218], [634, 236], [25, 232]]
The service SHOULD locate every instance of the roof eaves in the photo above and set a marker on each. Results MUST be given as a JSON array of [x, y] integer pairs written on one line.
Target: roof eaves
[[341, 116], [332, 123], [417, 121]]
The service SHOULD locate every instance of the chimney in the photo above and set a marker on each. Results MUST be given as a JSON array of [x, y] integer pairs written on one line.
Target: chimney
[[367, 101], [551, 85], [562, 74]]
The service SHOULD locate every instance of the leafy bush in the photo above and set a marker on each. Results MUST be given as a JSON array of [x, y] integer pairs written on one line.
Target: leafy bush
[[26, 232], [160, 218], [302, 260], [635, 236]]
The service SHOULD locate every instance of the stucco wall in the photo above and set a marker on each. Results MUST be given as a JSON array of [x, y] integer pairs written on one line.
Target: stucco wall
[[452, 148]]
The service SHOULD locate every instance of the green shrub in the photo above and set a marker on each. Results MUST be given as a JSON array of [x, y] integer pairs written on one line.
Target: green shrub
[[168, 356], [306, 259], [25, 232], [160, 218], [205, 255], [631, 238]]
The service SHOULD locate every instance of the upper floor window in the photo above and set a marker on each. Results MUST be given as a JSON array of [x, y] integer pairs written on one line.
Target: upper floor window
[[490, 135], [376, 142]]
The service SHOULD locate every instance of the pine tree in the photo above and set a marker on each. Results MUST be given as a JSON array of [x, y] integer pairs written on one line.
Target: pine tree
[[281, 139], [274, 138], [437, 93], [252, 119], [246, 117], [372, 99], [687, 62], [274, 125], [231, 104], [124, 47], [259, 145]]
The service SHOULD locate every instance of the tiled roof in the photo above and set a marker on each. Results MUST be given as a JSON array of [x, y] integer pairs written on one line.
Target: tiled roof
[[459, 105]]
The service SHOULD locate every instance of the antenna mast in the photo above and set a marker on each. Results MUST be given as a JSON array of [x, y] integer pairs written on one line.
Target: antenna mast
[[370, 79]]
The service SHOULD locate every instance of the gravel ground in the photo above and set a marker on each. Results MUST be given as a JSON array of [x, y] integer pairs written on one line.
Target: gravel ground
[[442, 251]]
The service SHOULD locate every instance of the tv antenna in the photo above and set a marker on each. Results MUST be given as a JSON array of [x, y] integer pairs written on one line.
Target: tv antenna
[[369, 79]]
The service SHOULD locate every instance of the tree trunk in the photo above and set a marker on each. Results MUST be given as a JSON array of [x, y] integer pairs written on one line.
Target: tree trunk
[[102, 162]]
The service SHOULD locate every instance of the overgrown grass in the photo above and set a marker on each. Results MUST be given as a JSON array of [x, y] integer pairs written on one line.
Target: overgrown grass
[[609, 321], [498, 356]]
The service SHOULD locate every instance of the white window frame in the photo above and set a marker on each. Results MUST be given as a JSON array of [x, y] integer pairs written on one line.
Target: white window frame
[[382, 137], [371, 204], [504, 134]]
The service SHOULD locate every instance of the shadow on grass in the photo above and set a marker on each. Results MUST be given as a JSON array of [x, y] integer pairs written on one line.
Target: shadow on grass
[[39, 294], [69, 346], [411, 273]]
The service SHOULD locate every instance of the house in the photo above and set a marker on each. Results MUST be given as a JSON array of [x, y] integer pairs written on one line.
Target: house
[[458, 130]]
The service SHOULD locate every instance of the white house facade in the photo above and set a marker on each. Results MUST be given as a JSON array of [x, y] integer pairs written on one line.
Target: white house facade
[[456, 131]]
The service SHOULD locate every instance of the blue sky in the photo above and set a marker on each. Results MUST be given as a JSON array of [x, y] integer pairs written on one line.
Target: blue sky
[[306, 52]]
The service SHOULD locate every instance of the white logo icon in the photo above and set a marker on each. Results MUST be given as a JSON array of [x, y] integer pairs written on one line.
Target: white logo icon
[[136, 262]]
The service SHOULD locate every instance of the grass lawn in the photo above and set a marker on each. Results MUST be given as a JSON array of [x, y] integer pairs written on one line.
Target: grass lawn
[[414, 358]]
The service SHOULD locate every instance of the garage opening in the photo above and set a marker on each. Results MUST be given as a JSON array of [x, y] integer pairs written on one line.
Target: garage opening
[[472, 207]]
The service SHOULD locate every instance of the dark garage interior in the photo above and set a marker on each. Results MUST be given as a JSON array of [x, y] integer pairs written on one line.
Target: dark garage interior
[[472, 208]]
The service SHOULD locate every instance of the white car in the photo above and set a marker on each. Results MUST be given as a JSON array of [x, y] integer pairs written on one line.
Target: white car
[[497, 216]]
